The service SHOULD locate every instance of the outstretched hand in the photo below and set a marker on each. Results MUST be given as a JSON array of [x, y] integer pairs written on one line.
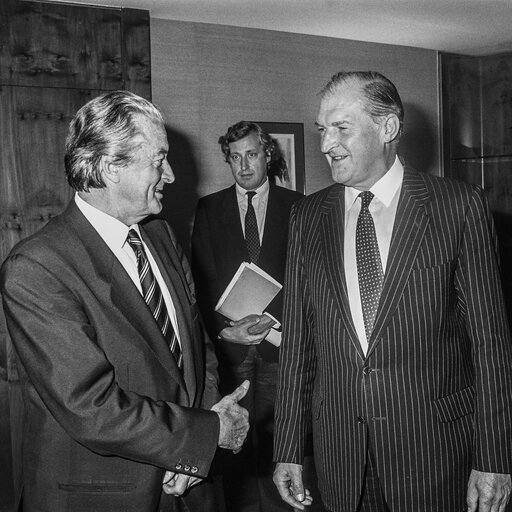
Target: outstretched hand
[[234, 420]]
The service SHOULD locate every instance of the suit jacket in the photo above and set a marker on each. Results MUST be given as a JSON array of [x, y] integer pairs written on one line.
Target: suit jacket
[[218, 249], [106, 407], [433, 395]]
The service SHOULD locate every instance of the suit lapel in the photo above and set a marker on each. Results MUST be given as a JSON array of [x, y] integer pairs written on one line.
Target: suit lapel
[[122, 291], [411, 221], [169, 266], [232, 234], [332, 227]]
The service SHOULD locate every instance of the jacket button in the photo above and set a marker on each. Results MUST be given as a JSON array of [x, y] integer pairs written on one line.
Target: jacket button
[[194, 469], [361, 420], [187, 467], [367, 370], [178, 466]]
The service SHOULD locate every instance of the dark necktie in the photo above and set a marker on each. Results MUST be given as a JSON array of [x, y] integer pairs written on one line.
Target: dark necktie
[[153, 296], [369, 266], [252, 237]]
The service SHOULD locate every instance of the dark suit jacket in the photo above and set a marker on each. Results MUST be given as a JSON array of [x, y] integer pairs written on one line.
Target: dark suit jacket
[[433, 395], [218, 249], [106, 408]]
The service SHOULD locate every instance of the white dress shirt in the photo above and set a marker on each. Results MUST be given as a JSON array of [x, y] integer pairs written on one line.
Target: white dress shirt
[[259, 202], [114, 234], [383, 210]]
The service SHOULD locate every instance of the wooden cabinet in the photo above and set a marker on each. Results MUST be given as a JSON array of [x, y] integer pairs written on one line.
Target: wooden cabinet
[[53, 59], [477, 137]]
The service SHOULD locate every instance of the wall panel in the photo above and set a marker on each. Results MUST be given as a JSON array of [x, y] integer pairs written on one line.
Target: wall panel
[[207, 77]]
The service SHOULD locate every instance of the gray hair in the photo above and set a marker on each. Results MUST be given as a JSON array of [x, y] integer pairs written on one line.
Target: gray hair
[[105, 126], [380, 94]]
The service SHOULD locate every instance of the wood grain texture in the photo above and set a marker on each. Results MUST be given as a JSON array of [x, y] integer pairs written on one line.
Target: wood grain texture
[[207, 77]]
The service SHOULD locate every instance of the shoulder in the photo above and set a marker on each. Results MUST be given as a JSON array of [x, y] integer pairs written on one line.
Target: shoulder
[[442, 189], [212, 200], [316, 202]]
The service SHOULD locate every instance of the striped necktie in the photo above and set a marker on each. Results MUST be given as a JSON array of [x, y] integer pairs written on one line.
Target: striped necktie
[[252, 236], [369, 266], [153, 296]]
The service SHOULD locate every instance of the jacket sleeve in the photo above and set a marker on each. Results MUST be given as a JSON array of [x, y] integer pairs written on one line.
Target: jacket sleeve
[[478, 285], [297, 358], [71, 373]]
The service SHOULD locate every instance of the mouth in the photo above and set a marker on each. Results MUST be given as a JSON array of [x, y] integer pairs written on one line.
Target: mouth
[[337, 158]]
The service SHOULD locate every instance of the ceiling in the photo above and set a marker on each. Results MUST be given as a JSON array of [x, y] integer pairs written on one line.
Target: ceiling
[[470, 27]]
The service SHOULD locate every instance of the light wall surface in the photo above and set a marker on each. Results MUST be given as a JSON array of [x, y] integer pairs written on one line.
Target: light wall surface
[[206, 77]]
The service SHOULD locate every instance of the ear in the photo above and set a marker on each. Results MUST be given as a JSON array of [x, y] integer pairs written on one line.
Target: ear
[[109, 170], [391, 128], [268, 157]]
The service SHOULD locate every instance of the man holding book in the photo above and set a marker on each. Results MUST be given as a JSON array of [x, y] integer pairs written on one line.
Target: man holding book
[[247, 222]]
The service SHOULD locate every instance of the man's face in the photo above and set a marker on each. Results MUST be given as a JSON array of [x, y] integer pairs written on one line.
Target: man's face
[[351, 140], [248, 162], [139, 190]]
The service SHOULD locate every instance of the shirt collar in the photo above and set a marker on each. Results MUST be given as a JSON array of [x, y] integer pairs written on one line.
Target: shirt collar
[[261, 191], [384, 190], [111, 230]]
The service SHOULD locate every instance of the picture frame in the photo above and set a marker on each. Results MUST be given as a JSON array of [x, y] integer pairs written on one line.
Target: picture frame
[[290, 139]]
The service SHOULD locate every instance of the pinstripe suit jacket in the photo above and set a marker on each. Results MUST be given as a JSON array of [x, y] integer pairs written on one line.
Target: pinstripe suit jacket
[[433, 395]]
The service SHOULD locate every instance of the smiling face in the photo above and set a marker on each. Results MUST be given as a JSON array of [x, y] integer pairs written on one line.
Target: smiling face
[[352, 141], [138, 190], [248, 162]]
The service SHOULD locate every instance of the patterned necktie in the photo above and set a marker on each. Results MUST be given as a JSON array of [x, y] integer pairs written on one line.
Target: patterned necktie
[[369, 266], [153, 296], [252, 237]]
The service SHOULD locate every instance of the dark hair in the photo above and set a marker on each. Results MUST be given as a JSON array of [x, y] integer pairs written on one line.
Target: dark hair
[[380, 93], [106, 125], [276, 167], [242, 129]]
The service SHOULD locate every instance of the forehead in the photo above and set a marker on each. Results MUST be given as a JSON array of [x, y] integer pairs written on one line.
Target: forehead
[[151, 136], [250, 142], [345, 103]]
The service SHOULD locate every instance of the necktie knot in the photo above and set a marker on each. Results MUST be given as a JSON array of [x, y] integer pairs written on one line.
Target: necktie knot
[[134, 240], [250, 195], [366, 198]]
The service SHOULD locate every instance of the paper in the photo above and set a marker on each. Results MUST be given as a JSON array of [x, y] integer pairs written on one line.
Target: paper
[[249, 292]]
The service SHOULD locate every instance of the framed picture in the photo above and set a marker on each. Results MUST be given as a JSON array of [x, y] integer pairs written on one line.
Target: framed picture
[[289, 169]]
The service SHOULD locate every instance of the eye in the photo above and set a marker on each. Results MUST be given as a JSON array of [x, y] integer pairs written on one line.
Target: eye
[[234, 158], [253, 155]]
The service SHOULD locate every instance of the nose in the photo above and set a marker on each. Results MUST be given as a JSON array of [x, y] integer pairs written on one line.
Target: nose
[[168, 174], [328, 141], [244, 163]]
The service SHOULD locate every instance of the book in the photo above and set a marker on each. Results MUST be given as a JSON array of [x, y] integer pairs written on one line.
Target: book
[[249, 292]]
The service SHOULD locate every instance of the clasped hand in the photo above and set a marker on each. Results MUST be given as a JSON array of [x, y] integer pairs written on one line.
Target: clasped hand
[[249, 330], [234, 425]]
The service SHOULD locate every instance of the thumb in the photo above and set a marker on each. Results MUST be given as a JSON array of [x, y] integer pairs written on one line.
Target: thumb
[[239, 392], [297, 486]]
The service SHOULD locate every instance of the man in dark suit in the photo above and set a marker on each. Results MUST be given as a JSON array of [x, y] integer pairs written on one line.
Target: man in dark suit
[[396, 344], [119, 378], [221, 241]]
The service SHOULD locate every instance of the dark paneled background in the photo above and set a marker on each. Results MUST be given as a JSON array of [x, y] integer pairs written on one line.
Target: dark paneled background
[[53, 59]]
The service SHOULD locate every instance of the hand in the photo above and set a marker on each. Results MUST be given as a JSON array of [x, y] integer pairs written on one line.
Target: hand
[[263, 326], [234, 420], [238, 332], [488, 492], [288, 480], [177, 483]]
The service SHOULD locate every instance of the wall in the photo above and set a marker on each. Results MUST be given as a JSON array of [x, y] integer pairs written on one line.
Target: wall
[[207, 77]]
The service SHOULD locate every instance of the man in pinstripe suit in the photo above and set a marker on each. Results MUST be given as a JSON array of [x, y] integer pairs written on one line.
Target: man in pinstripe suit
[[410, 412]]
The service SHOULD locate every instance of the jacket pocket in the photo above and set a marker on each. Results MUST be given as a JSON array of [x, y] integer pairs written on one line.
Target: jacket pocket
[[456, 405]]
